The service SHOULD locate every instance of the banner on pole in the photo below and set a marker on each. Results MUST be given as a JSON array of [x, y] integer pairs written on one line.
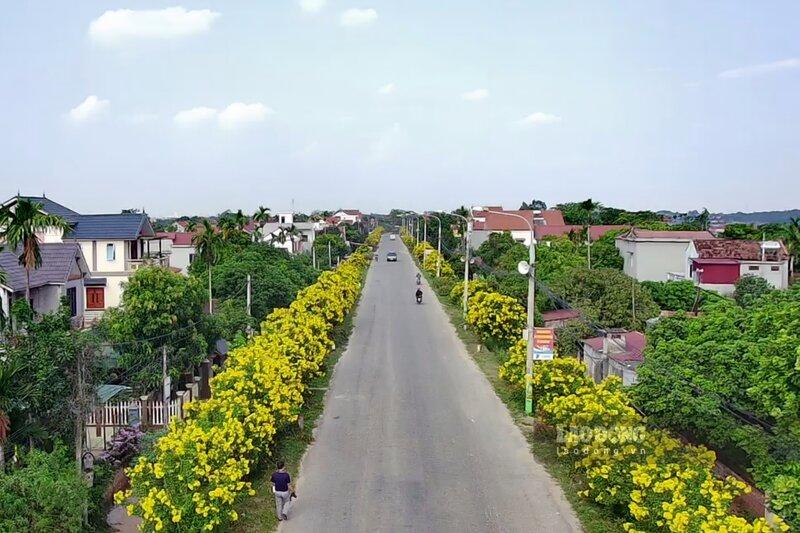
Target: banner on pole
[[543, 344]]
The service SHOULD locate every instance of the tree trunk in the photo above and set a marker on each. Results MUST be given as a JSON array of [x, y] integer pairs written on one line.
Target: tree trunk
[[2, 459], [28, 285], [210, 302]]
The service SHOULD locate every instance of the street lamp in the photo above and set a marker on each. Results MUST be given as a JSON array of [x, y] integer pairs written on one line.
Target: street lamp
[[439, 245], [465, 296], [528, 269]]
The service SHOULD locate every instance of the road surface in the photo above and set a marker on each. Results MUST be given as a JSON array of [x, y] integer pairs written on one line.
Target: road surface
[[413, 438]]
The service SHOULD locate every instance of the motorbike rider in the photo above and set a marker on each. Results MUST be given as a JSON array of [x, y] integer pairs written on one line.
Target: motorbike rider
[[419, 295], [419, 277]]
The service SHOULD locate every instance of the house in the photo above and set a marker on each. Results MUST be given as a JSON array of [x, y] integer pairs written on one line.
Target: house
[[294, 237], [616, 353], [559, 317], [717, 264], [113, 247], [651, 255], [178, 247], [498, 220], [61, 275], [346, 216]]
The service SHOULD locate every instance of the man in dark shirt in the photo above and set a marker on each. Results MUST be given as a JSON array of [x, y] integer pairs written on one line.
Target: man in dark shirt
[[282, 487]]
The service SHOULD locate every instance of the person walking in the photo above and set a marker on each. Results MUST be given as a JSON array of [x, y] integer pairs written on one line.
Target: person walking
[[282, 487]]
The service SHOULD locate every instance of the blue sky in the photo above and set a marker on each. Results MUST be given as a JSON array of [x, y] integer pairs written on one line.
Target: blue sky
[[202, 106]]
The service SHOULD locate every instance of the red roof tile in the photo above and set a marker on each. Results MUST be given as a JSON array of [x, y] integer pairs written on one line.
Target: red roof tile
[[666, 235], [560, 314], [634, 343], [178, 238], [740, 250], [504, 222]]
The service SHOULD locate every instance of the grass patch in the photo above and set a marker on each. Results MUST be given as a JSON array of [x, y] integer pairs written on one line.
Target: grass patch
[[594, 518], [257, 514]]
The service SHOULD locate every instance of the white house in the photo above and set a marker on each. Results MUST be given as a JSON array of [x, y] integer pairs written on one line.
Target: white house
[[656, 255], [717, 264], [616, 353], [113, 247], [348, 216], [178, 247], [62, 274]]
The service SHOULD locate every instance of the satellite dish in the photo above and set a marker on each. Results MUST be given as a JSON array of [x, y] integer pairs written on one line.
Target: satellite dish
[[523, 268]]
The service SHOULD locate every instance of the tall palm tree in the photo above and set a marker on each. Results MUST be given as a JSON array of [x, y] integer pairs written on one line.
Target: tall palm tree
[[19, 224], [207, 243], [191, 226], [292, 233], [261, 215], [240, 219], [227, 227], [792, 239]]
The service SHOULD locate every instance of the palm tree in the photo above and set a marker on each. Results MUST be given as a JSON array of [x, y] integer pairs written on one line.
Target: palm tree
[[292, 233], [19, 225], [191, 226], [240, 219], [207, 243], [792, 239], [13, 392], [261, 215]]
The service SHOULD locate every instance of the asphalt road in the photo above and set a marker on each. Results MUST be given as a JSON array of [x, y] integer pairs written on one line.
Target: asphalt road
[[413, 438]]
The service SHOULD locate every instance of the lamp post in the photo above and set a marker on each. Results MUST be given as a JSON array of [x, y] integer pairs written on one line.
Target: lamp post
[[438, 245], [465, 296], [530, 271]]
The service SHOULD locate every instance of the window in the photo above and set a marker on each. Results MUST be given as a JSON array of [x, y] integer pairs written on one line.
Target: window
[[775, 268], [72, 294], [95, 298], [191, 258], [752, 267], [110, 252]]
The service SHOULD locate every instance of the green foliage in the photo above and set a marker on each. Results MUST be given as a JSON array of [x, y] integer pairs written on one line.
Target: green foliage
[[493, 248], [45, 495], [230, 322], [555, 256], [749, 289], [159, 307], [338, 249], [605, 253], [678, 295], [695, 368], [568, 337], [534, 205], [606, 296], [44, 351]]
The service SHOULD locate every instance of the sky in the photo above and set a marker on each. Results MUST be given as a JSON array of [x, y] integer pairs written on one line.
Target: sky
[[198, 107]]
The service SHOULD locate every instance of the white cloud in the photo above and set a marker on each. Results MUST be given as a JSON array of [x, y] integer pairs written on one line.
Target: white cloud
[[239, 114], [476, 95], [540, 118], [387, 89], [759, 70], [312, 6], [358, 17], [122, 25], [88, 109], [195, 115]]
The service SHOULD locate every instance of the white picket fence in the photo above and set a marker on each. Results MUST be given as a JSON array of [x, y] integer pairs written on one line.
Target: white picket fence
[[104, 421]]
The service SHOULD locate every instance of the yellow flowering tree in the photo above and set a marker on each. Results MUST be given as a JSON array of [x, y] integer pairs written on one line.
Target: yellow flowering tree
[[196, 474], [494, 316]]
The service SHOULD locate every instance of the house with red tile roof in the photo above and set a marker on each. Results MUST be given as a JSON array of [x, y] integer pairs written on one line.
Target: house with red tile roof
[[347, 216], [656, 255], [559, 317], [717, 264], [615, 353], [178, 246]]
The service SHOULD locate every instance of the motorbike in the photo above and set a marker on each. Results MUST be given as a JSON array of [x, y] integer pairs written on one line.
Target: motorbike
[[419, 298]]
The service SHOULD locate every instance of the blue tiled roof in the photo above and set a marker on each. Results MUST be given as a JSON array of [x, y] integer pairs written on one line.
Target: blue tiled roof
[[57, 261], [53, 208], [128, 226]]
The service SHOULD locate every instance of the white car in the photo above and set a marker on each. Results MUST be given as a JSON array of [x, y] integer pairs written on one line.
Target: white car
[[392, 237]]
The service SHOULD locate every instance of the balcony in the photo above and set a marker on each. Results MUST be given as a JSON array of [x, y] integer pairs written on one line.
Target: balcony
[[153, 259]]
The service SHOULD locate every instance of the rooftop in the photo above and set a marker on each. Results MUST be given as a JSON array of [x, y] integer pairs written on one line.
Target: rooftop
[[497, 221], [57, 262], [665, 235], [738, 250], [634, 346]]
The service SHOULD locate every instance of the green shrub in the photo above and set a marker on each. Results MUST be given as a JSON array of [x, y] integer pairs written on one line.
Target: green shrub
[[44, 495]]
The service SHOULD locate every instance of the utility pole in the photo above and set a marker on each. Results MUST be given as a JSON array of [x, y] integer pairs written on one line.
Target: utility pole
[[330, 260], [314, 256], [417, 229], [166, 384], [425, 229], [249, 297], [589, 247]]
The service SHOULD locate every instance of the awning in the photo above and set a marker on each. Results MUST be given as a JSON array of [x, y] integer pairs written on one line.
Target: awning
[[95, 282]]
